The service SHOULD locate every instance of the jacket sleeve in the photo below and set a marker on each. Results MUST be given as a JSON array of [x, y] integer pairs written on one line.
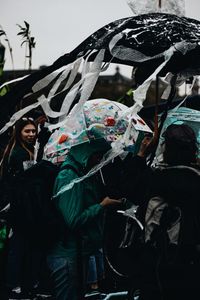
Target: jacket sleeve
[[17, 159], [71, 203]]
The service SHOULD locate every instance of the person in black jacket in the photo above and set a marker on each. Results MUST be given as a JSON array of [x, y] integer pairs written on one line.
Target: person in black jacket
[[20, 148], [23, 260], [177, 181]]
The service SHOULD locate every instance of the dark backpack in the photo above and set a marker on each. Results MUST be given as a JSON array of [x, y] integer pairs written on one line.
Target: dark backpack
[[172, 226], [156, 248], [33, 212]]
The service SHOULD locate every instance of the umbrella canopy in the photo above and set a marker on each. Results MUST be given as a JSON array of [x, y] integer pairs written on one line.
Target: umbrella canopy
[[99, 118], [180, 115]]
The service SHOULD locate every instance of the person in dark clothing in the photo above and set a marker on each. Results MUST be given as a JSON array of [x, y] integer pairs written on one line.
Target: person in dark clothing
[[177, 181], [121, 177], [20, 148], [23, 260]]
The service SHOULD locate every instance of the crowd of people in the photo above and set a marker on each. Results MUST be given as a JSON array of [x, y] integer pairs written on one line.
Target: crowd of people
[[75, 261]]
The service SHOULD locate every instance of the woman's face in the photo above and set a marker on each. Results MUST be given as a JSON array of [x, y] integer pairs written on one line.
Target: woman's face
[[28, 134]]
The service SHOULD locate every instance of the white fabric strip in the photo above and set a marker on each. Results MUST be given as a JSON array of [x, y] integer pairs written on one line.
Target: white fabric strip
[[12, 81], [18, 115], [46, 80]]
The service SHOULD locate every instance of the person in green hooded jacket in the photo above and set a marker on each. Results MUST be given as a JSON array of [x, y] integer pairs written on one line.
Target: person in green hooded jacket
[[82, 208]]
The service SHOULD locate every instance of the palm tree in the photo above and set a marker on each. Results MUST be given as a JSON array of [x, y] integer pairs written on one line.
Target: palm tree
[[28, 40], [3, 33]]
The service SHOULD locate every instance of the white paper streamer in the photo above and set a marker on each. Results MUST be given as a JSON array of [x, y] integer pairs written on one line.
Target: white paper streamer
[[12, 81], [40, 84], [18, 115], [90, 81], [75, 67], [59, 80], [87, 82], [47, 109], [140, 92]]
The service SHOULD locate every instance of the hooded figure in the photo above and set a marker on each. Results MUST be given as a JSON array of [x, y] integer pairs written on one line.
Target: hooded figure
[[80, 205], [82, 209]]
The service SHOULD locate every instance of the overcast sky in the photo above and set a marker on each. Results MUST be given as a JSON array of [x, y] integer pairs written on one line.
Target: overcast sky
[[61, 25]]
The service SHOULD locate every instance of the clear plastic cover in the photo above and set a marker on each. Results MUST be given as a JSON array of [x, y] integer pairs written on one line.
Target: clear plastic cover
[[176, 7]]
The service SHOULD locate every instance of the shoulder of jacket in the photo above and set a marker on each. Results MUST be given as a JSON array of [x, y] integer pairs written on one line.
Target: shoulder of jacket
[[193, 169], [18, 151], [71, 169]]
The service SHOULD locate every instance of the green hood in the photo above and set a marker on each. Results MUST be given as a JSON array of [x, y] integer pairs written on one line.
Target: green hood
[[82, 152]]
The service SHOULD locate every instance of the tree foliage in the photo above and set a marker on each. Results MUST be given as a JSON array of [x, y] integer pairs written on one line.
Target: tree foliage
[[3, 33]]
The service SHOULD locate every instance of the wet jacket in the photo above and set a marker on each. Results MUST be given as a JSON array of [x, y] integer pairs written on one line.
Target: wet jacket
[[16, 161], [83, 215], [17, 188]]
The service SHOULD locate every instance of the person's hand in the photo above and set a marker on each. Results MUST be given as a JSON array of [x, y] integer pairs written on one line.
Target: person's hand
[[44, 135], [110, 202], [146, 146]]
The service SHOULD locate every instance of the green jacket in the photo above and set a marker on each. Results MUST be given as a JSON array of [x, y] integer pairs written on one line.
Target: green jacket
[[79, 205]]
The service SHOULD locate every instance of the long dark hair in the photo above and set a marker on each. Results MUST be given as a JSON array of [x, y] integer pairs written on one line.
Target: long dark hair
[[180, 145], [17, 140]]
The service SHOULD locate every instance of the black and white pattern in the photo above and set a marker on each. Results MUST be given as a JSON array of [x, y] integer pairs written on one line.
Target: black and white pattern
[[155, 43]]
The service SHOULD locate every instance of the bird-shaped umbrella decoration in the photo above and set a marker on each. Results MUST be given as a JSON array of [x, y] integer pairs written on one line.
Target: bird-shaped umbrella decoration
[[149, 42]]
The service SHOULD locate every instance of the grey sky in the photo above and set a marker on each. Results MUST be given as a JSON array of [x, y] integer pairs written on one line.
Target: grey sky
[[59, 26]]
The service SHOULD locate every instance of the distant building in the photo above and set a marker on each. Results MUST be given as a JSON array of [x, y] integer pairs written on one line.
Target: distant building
[[112, 87]]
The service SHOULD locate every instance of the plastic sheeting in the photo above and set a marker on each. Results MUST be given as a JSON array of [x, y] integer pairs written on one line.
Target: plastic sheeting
[[176, 7], [99, 118], [180, 115]]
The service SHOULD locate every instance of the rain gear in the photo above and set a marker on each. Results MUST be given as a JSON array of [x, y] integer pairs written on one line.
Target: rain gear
[[80, 205]]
